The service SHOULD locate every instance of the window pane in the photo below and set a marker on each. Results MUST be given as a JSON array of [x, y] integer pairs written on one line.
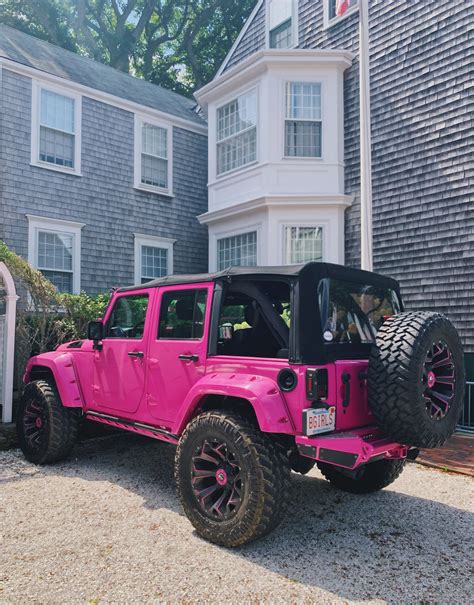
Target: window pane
[[237, 151], [55, 251], [155, 141], [154, 171], [61, 281], [303, 101], [281, 37], [332, 7], [154, 262], [127, 319], [238, 250], [303, 139], [182, 314], [303, 244], [57, 111], [56, 147], [237, 115]]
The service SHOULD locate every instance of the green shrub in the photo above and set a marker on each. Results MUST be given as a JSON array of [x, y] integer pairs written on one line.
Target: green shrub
[[46, 318]]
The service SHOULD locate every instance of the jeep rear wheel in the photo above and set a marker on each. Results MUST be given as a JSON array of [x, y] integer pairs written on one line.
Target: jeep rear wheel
[[233, 481], [46, 430], [370, 477], [416, 379]]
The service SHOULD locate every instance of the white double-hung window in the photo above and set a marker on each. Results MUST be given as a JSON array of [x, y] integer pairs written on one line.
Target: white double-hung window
[[303, 244], [153, 170], [303, 127], [237, 251], [153, 257], [237, 133], [56, 129], [282, 23], [54, 247]]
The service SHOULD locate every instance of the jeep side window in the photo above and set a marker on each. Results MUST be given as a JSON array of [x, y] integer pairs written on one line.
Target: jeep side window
[[255, 325], [127, 319], [182, 315]]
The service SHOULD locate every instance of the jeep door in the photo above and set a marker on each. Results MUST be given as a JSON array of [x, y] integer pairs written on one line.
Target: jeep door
[[178, 349], [119, 368]]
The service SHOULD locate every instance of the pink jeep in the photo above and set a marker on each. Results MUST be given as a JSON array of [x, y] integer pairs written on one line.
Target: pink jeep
[[253, 372]]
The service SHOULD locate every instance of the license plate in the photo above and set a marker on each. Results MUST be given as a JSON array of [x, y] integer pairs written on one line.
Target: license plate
[[319, 420]]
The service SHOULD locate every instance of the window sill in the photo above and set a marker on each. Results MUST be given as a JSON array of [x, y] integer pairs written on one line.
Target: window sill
[[302, 158], [155, 190], [336, 20], [234, 171], [56, 168]]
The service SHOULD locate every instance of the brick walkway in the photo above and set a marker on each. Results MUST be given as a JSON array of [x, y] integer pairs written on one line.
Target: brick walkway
[[456, 455]]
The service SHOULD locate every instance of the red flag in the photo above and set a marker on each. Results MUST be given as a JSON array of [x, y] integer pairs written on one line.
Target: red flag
[[341, 7]]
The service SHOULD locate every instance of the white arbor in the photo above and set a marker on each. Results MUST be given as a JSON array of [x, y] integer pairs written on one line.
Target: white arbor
[[8, 298]]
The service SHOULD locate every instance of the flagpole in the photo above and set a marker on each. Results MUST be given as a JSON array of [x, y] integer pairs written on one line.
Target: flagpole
[[366, 261]]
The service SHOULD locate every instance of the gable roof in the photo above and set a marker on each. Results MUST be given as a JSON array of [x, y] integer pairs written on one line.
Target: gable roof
[[43, 56]]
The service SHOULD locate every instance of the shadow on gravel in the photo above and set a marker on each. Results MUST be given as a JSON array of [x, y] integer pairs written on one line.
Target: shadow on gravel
[[380, 546]]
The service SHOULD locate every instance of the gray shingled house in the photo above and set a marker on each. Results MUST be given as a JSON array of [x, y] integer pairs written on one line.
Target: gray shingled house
[[102, 174], [284, 178]]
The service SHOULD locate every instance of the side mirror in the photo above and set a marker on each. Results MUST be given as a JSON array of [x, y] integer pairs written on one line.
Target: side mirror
[[95, 330]]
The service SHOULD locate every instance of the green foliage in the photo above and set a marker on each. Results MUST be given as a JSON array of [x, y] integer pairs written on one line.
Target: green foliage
[[46, 318], [178, 44], [77, 310]]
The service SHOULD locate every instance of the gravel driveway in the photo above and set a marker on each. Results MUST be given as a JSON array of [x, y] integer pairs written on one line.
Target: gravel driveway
[[106, 527]]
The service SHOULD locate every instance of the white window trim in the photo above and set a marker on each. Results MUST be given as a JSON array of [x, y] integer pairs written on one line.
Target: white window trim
[[302, 224], [257, 228], [53, 225], [294, 26], [154, 242], [328, 23], [230, 99], [316, 158], [36, 87], [137, 160]]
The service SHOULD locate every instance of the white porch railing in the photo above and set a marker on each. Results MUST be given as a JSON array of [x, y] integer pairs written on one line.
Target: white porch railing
[[466, 422]]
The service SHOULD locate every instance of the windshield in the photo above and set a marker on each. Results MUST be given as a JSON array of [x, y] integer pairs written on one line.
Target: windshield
[[353, 313]]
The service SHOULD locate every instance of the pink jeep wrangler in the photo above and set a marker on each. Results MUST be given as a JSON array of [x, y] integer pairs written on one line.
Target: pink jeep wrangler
[[253, 372]]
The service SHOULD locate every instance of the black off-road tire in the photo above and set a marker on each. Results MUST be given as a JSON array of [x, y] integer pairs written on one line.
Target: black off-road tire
[[300, 464], [59, 425], [368, 478], [265, 471], [397, 378]]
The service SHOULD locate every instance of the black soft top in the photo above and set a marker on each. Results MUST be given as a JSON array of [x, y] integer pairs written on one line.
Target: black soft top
[[313, 270]]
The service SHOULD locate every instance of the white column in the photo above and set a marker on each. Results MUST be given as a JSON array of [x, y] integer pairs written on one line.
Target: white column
[[365, 140]]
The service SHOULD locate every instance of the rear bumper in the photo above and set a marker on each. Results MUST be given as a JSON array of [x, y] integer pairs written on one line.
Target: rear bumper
[[350, 449]]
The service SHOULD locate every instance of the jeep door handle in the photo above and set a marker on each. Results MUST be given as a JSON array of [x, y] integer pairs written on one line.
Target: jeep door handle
[[139, 354], [188, 357]]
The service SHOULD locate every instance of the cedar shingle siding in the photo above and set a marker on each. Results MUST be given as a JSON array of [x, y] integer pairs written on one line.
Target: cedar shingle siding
[[104, 197], [421, 136]]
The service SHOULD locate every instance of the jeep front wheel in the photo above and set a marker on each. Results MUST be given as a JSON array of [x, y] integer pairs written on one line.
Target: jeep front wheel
[[233, 481], [46, 430]]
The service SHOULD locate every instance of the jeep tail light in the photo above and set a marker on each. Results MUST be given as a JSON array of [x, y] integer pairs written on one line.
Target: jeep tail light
[[317, 384]]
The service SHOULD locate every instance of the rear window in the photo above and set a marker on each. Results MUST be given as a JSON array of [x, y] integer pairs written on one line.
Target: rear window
[[353, 313]]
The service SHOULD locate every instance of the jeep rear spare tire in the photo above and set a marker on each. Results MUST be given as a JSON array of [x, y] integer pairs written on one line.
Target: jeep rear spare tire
[[416, 378]]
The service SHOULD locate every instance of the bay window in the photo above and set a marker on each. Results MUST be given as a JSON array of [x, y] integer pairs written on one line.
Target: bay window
[[237, 251], [303, 119], [303, 244], [237, 133]]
